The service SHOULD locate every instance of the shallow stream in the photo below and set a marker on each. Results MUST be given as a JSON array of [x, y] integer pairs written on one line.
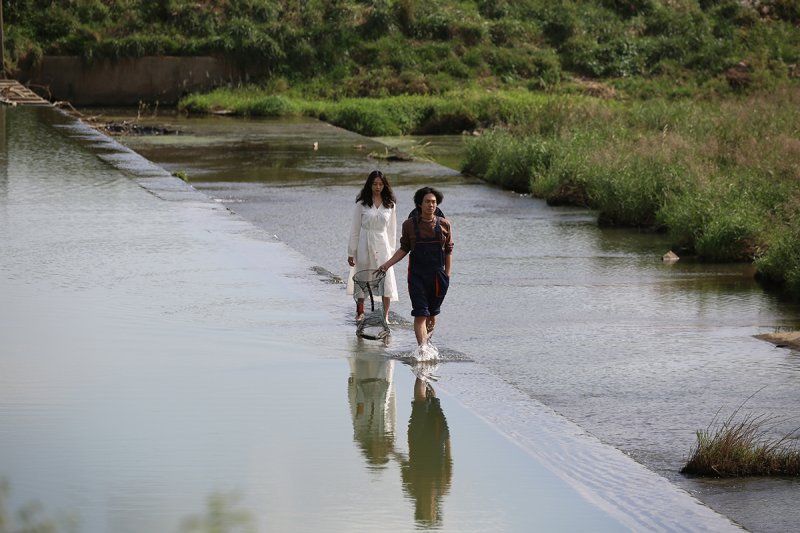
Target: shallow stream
[[156, 351], [587, 320]]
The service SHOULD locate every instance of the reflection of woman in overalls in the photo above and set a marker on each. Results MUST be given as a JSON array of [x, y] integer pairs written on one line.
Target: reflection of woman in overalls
[[429, 240], [427, 470]]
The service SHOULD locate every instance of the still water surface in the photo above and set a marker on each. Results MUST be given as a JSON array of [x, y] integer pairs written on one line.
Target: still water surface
[[586, 320]]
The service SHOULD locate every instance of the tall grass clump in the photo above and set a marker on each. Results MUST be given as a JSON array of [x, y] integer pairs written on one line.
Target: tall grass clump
[[720, 218], [630, 193], [366, 118], [780, 263], [270, 105], [243, 101], [479, 151], [563, 182], [507, 160], [743, 447]]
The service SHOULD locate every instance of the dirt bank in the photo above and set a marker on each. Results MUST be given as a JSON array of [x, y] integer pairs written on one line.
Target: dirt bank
[[787, 339]]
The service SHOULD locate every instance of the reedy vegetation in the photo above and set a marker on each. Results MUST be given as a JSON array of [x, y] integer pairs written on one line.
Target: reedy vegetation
[[698, 133], [744, 445]]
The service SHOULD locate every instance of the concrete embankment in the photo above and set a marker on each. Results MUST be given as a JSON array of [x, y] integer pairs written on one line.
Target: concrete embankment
[[129, 81]]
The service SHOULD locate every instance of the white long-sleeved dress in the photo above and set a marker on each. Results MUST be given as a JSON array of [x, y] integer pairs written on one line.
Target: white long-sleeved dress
[[373, 240]]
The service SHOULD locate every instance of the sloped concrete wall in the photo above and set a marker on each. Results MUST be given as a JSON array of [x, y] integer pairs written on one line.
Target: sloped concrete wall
[[129, 81]]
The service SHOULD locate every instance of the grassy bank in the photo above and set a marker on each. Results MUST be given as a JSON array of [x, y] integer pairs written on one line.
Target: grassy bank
[[354, 48], [454, 112], [721, 176]]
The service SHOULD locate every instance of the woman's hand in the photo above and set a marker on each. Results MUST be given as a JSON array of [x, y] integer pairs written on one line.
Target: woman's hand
[[351, 261]]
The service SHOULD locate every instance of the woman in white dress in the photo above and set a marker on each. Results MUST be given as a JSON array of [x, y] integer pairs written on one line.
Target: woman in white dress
[[373, 238]]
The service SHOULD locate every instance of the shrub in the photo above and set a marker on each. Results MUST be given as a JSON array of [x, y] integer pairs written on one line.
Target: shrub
[[471, 32], [54, 23], [561, 23], [447, 116], [787, 10], [725, 219], [684, 215], [629, 8]]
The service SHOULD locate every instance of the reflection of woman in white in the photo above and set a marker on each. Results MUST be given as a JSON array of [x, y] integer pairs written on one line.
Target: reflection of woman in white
[[373, 238], [372, 405]]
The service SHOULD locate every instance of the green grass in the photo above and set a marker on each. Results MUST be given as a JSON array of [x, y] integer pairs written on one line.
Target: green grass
[[644, 48], [743, 446], [721, 177]]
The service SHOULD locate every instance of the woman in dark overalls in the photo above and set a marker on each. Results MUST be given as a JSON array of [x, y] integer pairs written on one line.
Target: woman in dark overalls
[[429, 240]]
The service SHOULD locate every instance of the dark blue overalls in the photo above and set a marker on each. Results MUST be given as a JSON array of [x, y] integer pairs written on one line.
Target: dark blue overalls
[[427, 282]]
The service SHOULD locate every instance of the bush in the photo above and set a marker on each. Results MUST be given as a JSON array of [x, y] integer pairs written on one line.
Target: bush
[[564, 180]]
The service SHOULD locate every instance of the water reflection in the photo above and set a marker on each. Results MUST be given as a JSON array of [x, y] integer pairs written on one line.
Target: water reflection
[[428, 468], [221, 516], [30, 517], [372, 406]]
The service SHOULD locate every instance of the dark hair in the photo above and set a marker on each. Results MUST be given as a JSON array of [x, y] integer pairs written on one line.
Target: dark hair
[[387, 195], [420, 195]]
